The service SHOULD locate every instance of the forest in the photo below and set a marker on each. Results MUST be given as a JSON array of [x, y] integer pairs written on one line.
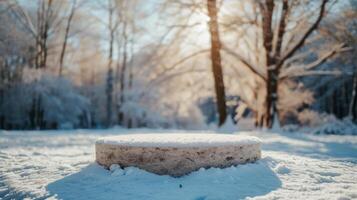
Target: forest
[[183, 64], [178, 99]]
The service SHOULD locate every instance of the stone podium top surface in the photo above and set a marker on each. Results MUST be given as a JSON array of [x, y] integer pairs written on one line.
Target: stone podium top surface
[[179, 140]]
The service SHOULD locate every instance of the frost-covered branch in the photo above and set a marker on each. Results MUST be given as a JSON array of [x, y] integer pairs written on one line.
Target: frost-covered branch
[[340, 48], [23, 18], [301, 42], [246, 63], [302, 70], [309, 73]]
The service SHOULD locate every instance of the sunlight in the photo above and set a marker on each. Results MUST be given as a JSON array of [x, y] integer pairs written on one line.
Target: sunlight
[[200, 35]]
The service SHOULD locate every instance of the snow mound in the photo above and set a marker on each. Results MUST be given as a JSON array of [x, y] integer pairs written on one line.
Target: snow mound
[[116, 170], [281, 169], [179, 140], [338, 127]]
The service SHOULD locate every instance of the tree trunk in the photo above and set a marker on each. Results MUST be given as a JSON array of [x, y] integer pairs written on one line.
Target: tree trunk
[[271, 82], [334, 104], [64, 45], [123, 76], [36, 114], [216, 61], [352, 108], [109, 84], [2, 117], [271, 98], [109, 91]]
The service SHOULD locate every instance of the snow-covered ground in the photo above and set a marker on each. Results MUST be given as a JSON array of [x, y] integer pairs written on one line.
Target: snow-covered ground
[[60, 165]]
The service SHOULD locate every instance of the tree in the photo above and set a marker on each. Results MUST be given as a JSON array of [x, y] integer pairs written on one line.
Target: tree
[[122, 8], [40, 29], [274, 59], [112, 26], [341, 29], [189, 18], [283, 36], [66, 35], [216, 61]]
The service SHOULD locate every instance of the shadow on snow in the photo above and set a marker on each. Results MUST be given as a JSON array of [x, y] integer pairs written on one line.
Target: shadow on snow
[[94, 182], [314, 146]]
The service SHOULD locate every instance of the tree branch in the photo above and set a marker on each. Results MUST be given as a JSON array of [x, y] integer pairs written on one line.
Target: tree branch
[[326, 56], [244, 61], [311, 73], [306, 35], [281, 28], [168, 69]]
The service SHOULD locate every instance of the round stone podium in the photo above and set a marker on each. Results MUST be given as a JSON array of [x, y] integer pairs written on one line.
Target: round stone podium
[[176, 154]]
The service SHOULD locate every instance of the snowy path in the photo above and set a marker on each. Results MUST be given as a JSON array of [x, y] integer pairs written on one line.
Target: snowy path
[[59, 165]]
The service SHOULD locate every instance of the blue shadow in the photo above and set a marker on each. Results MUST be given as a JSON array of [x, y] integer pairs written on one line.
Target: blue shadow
[[317, 148], [94, 182]]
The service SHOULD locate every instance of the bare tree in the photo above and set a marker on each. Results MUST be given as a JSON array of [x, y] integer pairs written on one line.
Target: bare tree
[[340, 28], [45, 19], [112, 26], [40, 27], [282, 44], [66, 35], [216, 61], [123, 66]]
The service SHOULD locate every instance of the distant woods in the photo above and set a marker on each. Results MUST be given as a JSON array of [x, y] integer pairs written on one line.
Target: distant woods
[[181, 64]]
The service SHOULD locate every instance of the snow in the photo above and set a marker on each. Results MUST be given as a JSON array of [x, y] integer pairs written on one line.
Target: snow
[[228, 126], [60, 165], [337, 127], [179, 140], [281, 169]]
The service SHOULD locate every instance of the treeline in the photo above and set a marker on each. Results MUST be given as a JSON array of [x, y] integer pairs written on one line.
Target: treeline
[[85, 64]]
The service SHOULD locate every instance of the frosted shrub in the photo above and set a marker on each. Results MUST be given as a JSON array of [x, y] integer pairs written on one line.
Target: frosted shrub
[[141, 115], [44, 102], [159, 116], [310, 118], [190, 118], [337, 127]]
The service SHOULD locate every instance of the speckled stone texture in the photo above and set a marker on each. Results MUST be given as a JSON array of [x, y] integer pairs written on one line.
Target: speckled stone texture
[[176, 161]]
